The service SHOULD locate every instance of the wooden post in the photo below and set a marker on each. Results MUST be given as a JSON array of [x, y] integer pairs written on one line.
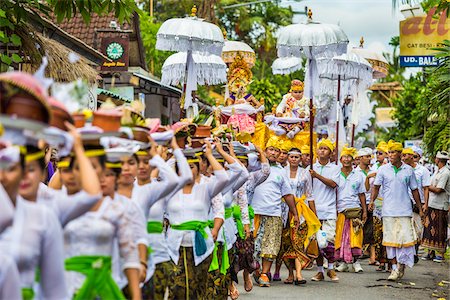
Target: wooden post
[[338, 107]]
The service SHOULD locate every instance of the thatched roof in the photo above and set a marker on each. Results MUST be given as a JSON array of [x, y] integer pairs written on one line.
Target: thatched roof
[[35, 46]]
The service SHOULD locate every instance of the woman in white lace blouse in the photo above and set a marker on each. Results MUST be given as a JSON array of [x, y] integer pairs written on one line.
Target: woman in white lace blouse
[[189, 237], [34, 240]]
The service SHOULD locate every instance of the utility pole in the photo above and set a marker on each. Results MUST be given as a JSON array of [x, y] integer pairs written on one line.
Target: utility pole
[[151, 8]]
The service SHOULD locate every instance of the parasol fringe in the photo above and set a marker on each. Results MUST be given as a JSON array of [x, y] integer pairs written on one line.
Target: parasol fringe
[[174, 43], [286, 71], [331, 69], [206, 74], [315, 52]]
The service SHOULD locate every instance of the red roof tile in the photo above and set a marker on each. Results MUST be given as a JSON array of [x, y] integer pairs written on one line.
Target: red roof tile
[[87, 32]]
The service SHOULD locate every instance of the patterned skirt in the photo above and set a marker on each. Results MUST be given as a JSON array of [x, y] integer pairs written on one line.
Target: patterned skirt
[[368, 230], [189, 280], [435, 230], [380, 250], [217, 283], [268, 236], [296, 249], [156, 287], [244, 259], [286, 244]]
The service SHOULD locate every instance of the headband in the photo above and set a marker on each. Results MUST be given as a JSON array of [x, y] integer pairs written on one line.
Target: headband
[[63, 164], [95, 152], [193, 160], [295, 152], [141, 153], [242, 156], [111, 165], [34, 156]]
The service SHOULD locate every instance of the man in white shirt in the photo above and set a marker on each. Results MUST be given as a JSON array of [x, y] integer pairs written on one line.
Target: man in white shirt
[[352, 209], [365, 156], [399, 236], [436, 209], [325, 180], [381, 155], [380, 250], [423, 181], [266, 203]]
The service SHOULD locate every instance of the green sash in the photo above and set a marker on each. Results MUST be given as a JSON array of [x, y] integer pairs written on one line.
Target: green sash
[[99, 282], [251, 213], [215, 260], [154, 227], [200, 234], [27, 293], [237, 215], [228, 212]]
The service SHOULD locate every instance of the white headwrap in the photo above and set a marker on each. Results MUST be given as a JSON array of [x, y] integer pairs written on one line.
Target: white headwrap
[[418, 150], [364, 151]]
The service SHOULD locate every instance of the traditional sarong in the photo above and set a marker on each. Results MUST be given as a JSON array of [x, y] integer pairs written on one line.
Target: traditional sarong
[[217, 283], [368, 230], [245, 260], [285, 244], [268, 231], [348, 242], [297, 246], [435, 230], [398, 232], [189, 281], [380, 250], [418, 226], [156, 287]]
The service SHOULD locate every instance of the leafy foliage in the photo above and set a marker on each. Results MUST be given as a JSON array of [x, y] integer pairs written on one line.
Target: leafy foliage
[[423, 108], [154, 58], [254, 24], [14, 13]]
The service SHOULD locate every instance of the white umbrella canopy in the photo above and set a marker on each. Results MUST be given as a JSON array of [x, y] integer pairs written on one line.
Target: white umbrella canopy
[[286, 65], [346, 67], [189, 33], [379, 64], [232, 48], [352, 69], [311, 40], [208, 69]]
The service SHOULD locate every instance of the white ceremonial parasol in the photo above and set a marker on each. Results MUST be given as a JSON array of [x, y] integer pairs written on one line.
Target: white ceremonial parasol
[[208, 69], [379, 64], [286, 65], [189, 34], [311, 40], [349, 67], [232, 48], [186, 35]]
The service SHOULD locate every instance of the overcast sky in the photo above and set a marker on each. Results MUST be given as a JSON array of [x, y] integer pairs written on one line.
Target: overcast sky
[[375, 20]]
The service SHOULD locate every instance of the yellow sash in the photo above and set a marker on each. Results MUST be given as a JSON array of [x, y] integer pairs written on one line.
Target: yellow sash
[[356, 239], [312, 221]]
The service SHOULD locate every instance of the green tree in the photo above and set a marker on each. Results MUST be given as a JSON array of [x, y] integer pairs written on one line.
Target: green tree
[[437, 103], [253, 24], [14, 14], [422, 110], [154, 58]]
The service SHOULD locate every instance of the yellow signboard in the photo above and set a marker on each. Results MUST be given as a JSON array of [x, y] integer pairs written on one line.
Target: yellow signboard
[[418, 35], [383, 117]]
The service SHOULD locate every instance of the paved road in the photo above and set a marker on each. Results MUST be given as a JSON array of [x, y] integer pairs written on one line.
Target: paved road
[[421, 282]]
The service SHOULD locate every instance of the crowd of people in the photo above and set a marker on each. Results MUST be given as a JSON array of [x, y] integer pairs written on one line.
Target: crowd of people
[[115, 218]]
